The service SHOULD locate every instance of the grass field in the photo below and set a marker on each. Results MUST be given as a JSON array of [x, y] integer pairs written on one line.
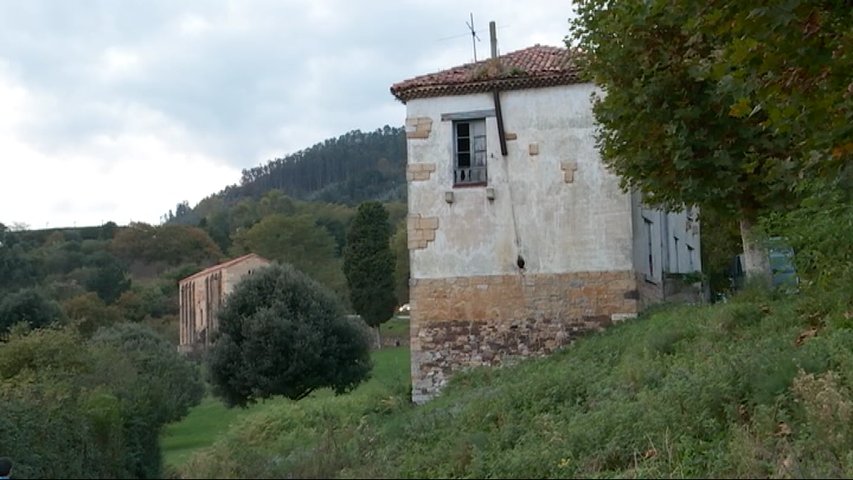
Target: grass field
[[212, 418], [398, 325]]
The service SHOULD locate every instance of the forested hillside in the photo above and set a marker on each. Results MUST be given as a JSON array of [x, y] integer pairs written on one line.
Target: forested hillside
[[352, 168], [349, 169]]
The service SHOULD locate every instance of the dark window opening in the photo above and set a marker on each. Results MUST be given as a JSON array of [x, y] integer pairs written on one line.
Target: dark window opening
[[649, 246], [469, 152]]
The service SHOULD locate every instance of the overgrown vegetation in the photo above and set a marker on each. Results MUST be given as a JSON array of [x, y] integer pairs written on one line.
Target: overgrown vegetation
[[758, 387], [77, 408], [208, 422]]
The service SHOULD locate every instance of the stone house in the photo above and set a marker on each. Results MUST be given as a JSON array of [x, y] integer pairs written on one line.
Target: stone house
[[201, 297], [519, 238]]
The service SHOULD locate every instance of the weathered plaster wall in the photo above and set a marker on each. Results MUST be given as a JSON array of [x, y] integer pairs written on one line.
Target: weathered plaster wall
[[554, 203]]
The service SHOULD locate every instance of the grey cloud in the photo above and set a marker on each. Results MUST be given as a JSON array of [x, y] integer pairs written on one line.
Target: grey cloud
[[263, 67]]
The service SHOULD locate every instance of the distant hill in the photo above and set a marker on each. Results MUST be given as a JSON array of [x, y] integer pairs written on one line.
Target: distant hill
[[349, 169]]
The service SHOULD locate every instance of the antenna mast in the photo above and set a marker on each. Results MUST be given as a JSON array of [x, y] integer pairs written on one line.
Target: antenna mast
[[474, 37]]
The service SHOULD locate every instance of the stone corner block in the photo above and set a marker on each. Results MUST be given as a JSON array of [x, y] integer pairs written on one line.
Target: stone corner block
[[419, 171], [418, 127]]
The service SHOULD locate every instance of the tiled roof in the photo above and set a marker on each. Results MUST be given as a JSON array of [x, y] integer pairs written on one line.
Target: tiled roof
[[537, 66], [221, 266]]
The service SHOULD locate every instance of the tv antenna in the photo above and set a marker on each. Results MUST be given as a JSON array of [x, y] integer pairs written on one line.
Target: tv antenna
[[474, 37]]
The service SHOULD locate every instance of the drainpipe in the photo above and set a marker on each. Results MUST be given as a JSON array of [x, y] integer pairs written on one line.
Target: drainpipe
[[496, 93]]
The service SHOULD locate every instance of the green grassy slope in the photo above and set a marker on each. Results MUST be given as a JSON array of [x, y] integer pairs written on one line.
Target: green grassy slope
[[757, 387], [212, 418]]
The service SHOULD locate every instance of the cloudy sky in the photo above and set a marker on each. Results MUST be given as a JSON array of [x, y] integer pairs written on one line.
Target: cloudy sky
[[119, 109]]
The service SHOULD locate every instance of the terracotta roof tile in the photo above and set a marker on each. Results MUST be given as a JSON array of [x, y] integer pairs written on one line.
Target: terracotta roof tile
[[221, 266], [537, 66]]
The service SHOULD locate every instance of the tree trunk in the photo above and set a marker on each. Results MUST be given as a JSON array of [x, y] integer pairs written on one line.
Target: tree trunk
[[756, 263]]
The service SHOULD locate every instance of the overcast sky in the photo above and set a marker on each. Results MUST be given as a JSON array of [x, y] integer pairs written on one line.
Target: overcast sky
[[119, 109]]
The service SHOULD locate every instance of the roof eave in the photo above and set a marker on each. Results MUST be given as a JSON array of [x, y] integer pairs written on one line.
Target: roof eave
[[467, 88]]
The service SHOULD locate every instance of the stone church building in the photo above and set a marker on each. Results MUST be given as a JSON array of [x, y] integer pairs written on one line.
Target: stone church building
[[201, 297], [519, 238]]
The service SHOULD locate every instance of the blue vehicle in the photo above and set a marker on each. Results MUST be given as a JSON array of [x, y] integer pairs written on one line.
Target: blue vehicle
[[783, 273]]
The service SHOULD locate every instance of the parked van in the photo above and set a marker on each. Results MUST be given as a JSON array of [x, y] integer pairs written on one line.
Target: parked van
[[783, 273]]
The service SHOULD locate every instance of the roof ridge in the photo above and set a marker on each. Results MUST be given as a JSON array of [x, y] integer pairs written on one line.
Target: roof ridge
[[530, 67], [220, 266]]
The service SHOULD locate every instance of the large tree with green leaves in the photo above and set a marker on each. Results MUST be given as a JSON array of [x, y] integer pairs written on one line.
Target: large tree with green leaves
[[369, 264], [282, 333], [717, 103], [298, 241]]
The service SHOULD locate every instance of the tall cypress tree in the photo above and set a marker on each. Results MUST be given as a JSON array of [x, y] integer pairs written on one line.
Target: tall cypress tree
[[369, 264]]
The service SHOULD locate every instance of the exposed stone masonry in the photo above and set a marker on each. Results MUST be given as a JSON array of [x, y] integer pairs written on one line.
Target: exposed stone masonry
[[489, 320], [418, 127], [419, 171], [568, 169], [421, 230]]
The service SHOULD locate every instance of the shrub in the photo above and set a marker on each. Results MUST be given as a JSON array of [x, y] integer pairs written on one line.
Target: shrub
[[29, 306], [281, 333]]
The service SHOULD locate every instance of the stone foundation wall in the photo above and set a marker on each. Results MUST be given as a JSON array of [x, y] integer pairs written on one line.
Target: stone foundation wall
[[489, 320], [651, 292]]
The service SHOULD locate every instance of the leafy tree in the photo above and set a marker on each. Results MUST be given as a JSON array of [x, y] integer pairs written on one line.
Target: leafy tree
[[29, 306], [17, 267], [154, 384], [169, 244], [145, 300], [369, 265], [791, 60], [274, 202], [108, 277], [281, 333], [400, 247], [687, 118], [91, 409], [88, 313], [219, 228], [172, 384], [298, 241], [53, 426], [107, 231]]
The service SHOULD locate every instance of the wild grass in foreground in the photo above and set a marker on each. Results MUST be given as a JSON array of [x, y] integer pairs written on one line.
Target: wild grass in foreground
[[758, 387], [212, 418]]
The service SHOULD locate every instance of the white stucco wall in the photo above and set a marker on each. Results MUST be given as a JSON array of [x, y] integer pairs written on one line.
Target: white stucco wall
[[561, 227]]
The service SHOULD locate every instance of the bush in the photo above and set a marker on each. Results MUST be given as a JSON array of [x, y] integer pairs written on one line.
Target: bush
[[281, 333], [29, 306], [77, 409]]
